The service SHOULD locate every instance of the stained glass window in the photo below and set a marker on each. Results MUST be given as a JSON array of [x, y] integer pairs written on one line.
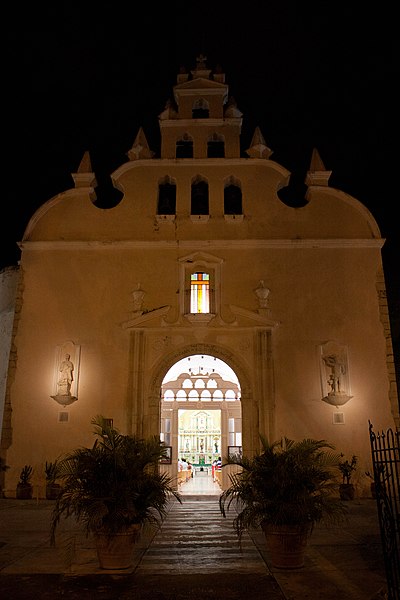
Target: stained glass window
[[200, 293]]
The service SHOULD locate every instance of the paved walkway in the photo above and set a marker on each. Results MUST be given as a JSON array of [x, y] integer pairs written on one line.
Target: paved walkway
[[193, 556]]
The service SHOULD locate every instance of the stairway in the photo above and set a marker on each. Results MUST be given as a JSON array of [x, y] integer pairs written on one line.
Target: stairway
[[196, 538]]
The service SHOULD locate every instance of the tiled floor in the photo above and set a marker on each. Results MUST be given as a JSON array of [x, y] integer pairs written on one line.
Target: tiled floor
[[194, 554], [200, 484]]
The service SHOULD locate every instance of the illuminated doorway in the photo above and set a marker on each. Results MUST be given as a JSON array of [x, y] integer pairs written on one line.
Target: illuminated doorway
[[201, 416]]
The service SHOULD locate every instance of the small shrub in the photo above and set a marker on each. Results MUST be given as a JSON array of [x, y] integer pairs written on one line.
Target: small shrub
[[347, 468], [51, 471], [25, 475]]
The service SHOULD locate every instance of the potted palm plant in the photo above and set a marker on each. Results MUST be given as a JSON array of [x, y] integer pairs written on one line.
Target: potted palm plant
[[52, 487], [285, 489], [114, 489], [24, 489], [347, 468]]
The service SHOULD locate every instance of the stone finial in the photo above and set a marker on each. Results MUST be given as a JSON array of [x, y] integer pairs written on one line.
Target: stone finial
[[262, 294], [219, 75], [231, 110], [201, 61], [317, 174], [183, 75], [85, 164], [84, 177], [169, 112], [140, 148], [258, 147], [137, 298], [201, 68]]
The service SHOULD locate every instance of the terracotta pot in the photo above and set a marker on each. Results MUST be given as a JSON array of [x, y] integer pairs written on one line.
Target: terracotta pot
[[116, 551], [287, 545], [346, 491], [52, 491], [24, 491]]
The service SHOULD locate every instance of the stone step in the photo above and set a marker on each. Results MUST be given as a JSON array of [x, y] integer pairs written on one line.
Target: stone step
[[196, 538]]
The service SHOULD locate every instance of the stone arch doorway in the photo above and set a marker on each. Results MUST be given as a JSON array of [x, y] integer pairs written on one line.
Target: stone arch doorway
[[200, 420]]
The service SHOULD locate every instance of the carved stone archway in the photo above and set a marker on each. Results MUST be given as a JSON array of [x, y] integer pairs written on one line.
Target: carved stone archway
[[249, 407]]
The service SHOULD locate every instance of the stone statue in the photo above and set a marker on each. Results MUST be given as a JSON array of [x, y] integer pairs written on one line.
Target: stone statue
[[338, 369], [66, 376]]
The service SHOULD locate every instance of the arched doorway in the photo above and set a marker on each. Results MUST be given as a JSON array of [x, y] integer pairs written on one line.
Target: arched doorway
[[201, 418]]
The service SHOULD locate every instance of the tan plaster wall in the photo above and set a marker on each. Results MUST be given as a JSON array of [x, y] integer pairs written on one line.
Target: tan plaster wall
[[81, 264]]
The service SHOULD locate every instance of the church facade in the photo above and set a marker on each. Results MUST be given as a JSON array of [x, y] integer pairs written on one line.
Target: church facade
[[200, 257]]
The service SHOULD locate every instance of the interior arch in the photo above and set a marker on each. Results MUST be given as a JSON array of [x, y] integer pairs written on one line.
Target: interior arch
[[200, 428]]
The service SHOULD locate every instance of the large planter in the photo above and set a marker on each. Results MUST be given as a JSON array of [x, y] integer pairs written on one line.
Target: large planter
[[24, 491], [116, 551], [347, 491], [52, 491], [287, 545]]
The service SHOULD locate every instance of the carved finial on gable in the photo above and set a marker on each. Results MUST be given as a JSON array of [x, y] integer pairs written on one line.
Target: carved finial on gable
[[317, 174], [201, 61], [84, 177], [85, 164], [231, 110], [219, 74], [169, 112], [201, 68], [137, 300], [140, 148], [262, 293], [183, 75], [258, 147]]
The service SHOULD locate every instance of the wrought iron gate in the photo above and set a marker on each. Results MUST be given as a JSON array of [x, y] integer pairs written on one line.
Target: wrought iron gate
[[385, 450]]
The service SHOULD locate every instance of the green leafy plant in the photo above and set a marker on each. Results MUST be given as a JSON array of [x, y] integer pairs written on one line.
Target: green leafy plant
[[347, 468], [26, 475], [114, 484], [51, 471], [52, 487], [288, 484]]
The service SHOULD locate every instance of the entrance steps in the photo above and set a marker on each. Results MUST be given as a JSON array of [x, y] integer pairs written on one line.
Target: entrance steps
[[196, 538]]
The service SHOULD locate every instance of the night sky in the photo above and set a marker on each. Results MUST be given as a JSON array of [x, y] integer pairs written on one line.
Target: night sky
[[86, 75]]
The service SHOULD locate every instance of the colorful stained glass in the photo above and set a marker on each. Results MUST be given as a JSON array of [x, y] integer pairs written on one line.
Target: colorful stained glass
[[200, 293]]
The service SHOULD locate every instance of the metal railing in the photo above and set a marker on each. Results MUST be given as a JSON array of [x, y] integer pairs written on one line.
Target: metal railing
[[385, 451]]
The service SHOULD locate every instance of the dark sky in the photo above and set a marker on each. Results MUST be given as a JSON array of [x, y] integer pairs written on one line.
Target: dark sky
[[86, 75]]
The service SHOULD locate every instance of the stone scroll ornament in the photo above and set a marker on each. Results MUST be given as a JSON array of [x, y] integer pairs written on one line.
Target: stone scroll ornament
[[66, 374], [335, 374]]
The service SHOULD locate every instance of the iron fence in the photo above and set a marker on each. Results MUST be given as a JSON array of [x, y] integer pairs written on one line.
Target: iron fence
[[385, 451]]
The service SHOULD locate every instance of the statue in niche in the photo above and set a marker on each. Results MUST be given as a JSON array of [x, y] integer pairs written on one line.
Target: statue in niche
[[65, 379], [338, 368], [336, 362], [66, 376]]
